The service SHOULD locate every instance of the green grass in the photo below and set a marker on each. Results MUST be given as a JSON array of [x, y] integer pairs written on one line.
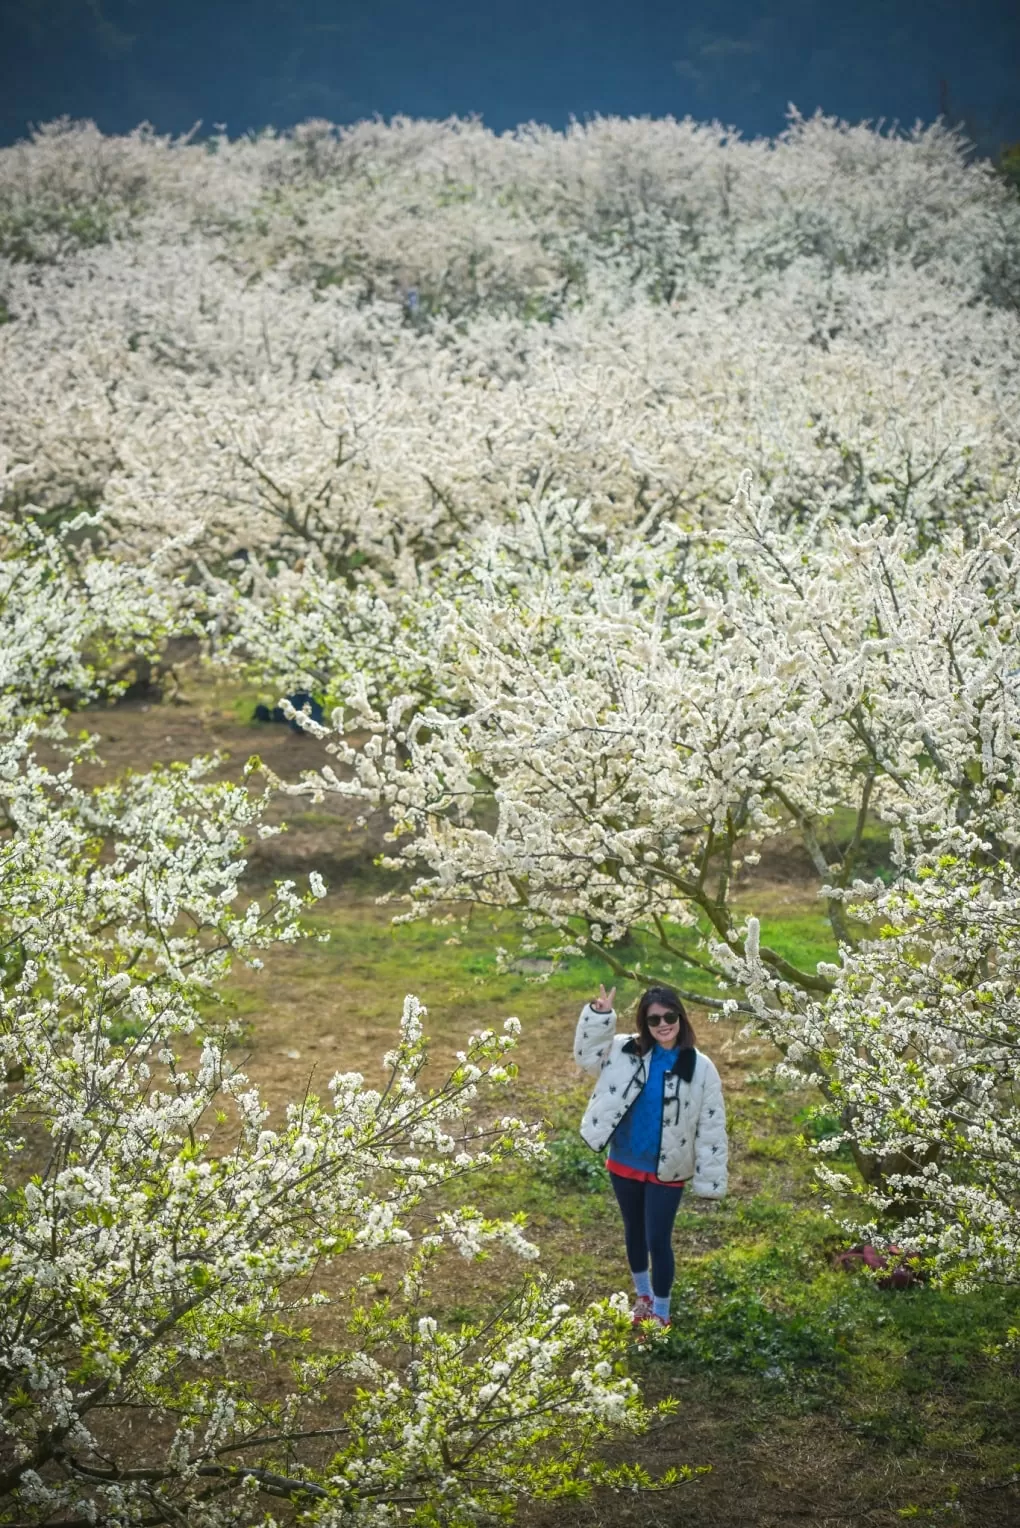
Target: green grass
[[444, 959], [802, 938], [900, 1400], [240, 704]]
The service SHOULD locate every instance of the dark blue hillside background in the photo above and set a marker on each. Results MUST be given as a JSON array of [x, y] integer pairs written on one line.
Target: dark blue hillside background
[[282, 61]]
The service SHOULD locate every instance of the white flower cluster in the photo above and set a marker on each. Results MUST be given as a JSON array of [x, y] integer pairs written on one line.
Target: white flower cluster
[[478, 1400], [634, 719]]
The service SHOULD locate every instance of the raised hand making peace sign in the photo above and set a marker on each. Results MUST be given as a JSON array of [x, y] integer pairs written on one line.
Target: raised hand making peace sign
[[604, 1002]]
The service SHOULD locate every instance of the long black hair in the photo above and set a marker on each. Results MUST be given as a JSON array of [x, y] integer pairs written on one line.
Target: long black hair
[[666, 998]]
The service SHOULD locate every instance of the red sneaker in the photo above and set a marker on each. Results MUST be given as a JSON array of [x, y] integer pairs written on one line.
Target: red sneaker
[[642, 1311]]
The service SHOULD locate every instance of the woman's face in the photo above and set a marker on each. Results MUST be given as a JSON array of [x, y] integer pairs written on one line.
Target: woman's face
[[664, 1025]]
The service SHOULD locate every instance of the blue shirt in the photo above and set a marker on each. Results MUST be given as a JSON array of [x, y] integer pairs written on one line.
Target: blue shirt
[[635, 1141]]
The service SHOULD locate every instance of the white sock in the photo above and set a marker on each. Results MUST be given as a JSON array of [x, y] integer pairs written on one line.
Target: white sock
[[642, 1283], [660, 1305]]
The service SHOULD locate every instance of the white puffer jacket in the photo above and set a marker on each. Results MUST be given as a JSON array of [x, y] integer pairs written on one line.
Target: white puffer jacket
[[693, 1142]]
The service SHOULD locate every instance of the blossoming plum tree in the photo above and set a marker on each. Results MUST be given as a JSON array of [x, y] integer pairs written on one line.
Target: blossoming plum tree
[[73, 622], [633, 720]]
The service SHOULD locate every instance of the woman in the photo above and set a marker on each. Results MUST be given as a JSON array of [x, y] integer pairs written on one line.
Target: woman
[[658, 1105]]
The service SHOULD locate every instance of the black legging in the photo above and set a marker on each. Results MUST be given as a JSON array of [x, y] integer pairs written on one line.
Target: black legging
[[649, 1210]]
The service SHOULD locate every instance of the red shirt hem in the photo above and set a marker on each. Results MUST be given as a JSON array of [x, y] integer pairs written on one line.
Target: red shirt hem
[[623, 1171]]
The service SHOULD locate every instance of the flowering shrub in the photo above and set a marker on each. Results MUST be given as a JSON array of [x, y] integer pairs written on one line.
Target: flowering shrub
[[634, 720], [140, 1267]]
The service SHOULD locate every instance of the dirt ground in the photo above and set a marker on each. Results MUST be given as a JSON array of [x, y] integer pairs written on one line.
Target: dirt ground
[[138, 734]]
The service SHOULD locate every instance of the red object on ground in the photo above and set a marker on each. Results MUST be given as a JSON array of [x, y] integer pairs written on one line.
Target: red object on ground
[[897, 1274]]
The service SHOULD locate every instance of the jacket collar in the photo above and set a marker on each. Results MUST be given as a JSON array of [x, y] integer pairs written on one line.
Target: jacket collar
[[683, 1066]]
